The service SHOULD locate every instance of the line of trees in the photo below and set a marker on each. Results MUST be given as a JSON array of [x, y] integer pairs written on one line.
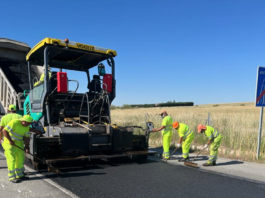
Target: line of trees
[[167, 104]]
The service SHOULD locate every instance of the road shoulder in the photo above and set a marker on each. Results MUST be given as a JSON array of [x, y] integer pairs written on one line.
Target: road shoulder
[[239, 169]]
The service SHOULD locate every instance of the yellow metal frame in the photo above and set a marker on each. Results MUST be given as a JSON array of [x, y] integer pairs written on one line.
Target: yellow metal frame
[[71, 44]]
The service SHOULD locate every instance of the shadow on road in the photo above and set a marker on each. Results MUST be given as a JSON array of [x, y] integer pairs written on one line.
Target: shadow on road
[[229, 163], [200, 158]]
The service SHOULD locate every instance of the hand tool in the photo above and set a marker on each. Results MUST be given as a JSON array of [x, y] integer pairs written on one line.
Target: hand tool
[[191, 162]]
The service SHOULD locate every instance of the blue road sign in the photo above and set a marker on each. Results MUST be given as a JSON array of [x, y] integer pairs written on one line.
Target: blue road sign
[[260, 89]]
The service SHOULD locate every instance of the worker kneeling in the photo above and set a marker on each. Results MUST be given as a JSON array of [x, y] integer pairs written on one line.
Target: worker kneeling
[[214, 139], [16, 134], [186, 136]]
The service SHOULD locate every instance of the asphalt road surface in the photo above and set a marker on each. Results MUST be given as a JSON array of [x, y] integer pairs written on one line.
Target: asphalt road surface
[[150, 179]]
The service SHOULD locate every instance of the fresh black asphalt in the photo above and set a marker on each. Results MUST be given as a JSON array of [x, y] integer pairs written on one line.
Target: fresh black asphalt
[[150, 179], [153, 179]]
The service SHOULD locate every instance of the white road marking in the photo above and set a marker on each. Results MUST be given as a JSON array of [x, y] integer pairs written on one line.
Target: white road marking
[[3, 186], [19, 190], [50, 181]]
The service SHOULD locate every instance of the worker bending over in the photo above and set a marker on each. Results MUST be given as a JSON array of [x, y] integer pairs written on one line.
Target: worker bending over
[[214, 139], [16, 132], [166, 133], [12, 115], [41, 81], [186, 136], [7, 118]]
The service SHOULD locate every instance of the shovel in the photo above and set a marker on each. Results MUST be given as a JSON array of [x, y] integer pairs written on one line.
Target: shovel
[[50, 168], [191, 162]]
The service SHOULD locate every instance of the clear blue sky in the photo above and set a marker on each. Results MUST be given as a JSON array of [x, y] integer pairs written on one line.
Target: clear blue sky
[[203, 51]]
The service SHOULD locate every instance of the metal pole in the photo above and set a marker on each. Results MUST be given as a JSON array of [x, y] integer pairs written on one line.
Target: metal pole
[[29, 72], [46, 85], [46, 62], [260, 130], [208, 118]]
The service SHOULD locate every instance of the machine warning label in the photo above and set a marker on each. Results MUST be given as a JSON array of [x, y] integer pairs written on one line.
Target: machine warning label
[[85, 47]]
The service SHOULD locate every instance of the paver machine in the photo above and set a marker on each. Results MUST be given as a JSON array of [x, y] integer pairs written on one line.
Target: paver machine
[[76, 126]]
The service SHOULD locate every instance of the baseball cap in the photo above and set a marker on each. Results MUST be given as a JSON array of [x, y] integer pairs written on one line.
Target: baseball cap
[[12, 107], [27, 118]]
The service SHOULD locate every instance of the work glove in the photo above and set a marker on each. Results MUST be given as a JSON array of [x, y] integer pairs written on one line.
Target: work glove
[[205, 146], [178, 145]]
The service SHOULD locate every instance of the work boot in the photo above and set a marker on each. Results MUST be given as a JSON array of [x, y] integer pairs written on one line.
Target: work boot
[[24, 178], [15, 181], [214, 163], [184, 159], [206, 164]]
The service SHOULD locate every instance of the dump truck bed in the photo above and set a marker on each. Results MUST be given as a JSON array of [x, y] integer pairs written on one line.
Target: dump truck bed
[[13, 73]]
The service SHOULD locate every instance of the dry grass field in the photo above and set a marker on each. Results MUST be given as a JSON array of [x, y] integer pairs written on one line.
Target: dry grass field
[[237, 122]]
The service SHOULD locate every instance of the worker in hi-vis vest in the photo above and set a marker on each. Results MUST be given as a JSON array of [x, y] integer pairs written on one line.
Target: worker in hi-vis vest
[[7, 118], [16, 133], [214, 140], [166, 132], [12, 115], [186, 136], [41, 81]]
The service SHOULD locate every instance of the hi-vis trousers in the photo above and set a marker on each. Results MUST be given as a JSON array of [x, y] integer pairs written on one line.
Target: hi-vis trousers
[[214, 149], [15, 159], [186, 146], [166, 144]]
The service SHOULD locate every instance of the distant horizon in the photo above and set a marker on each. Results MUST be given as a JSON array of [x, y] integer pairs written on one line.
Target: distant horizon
[[189, 101]]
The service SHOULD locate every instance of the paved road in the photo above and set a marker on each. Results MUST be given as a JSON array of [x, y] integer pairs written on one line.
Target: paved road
[[153, 179], [150, 179]]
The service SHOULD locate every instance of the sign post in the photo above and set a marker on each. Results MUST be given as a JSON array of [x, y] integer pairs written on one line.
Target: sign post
[[260, 131], [260, 100]]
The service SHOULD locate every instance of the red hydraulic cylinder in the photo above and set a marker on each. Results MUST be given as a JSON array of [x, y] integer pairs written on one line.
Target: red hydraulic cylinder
[[62, 82]]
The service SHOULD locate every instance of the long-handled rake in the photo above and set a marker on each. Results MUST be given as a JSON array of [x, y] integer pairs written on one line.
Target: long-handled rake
[[50, 168], [191, 162]]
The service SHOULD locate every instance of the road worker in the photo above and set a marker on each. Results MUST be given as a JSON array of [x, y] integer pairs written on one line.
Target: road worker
[[186, 136], [7, 118], [16, 133], [166, 133], [12, 115], [42, 77], [214, 140]]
